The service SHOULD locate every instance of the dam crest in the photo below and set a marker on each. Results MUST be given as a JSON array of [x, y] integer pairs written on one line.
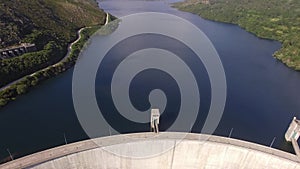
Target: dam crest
[[176, 151]]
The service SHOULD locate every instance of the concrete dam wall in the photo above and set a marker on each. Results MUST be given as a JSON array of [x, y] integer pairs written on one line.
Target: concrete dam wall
[[163, 150]]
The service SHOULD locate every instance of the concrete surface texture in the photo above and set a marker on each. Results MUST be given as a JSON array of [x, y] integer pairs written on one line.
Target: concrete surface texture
[[163, 150]]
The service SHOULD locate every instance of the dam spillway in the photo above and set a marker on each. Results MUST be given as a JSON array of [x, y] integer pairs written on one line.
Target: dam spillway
[[176, 151]]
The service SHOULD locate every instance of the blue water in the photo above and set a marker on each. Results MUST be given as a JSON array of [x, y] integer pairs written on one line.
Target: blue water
[[263, 94]]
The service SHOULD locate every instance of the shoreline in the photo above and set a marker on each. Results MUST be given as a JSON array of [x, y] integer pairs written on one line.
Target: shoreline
[[278, 54], [61, 66]]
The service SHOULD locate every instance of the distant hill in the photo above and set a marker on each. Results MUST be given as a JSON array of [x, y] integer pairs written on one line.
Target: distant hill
[[271, 19], [21, 20]]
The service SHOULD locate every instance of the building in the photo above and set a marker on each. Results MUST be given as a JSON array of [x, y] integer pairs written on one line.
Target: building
[[292, 135], [293, 131], [17, 50]]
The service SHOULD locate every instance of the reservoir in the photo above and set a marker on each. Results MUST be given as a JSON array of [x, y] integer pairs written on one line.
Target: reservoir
[[263, 95]]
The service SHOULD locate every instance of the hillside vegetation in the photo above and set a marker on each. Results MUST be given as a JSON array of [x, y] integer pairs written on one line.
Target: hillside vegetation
[[10, 93], [271, 19], [50, 24], [22, 19]]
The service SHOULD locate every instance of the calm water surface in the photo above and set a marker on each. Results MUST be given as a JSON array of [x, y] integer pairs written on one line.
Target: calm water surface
[[263, 94]]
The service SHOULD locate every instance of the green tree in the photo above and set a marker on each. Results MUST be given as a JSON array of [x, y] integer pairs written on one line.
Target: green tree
[[22, 88], [3, 102]]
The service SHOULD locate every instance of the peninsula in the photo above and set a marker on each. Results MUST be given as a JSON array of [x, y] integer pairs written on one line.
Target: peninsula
[[270, 19]]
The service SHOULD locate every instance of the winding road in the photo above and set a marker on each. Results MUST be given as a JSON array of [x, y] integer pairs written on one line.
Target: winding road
[[56, 64]]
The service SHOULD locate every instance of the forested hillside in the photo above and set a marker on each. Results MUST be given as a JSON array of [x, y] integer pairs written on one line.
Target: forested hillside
[[50, 24], [24, 19], [271, 19]]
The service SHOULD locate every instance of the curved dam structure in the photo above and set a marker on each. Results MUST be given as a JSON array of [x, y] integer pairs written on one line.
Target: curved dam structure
[[163, 150]]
